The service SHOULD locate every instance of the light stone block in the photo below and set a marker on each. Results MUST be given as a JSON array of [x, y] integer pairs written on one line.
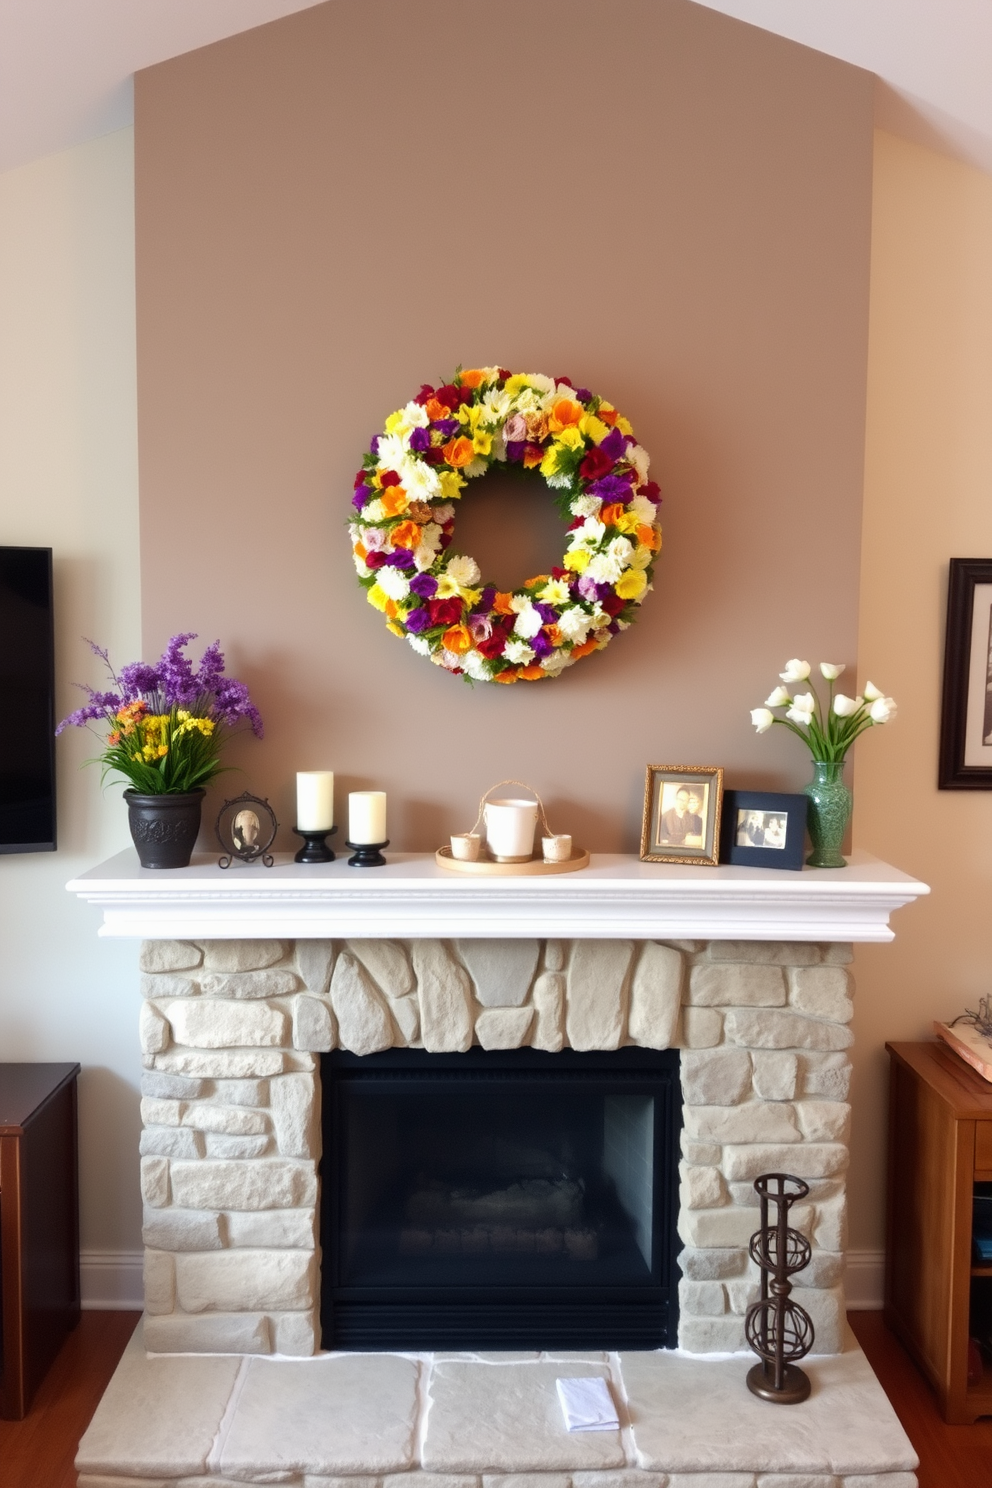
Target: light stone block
[[526, 1480], [830, 1224], [774, 1029], [155, 1181], [293, 1103], [503, 1027], [702, 1028], [295, 1334], [619, 1478], [170, 1141], [159, 1275], [241, 955], [101, 1480], [548, 998], [729, 985], [554, 955], [209, 1333], [706, 1154], [712, 1264], [827, 1075], [805, 1160], [444, 992], [740, 1295], [219, 1144], [272, 1183], [880, 1480], [502, 970], [823, 992], [314, 959], [824, 1121], [825, 1269], [656, 996], [171, 1087], [711, 1480], [721, 1228], [774, 1075], [245, 1280], [838, 953], [595, 1013], [280, 1229], [769, 952], [169, 955], [236, 1121], [364, 1024], [715, 1077], [387, 964], [712, 1335], [220, 1024], [253, 1064], [313, 1025], [754, 1122], [338, 1480], [354, 1413], [417, 1479], [168, 986], [507, 1418], [798, 1480], [181, 1229], [153, 1030], [241, 1092], [406, 1016], [157, 1112], [701, 1188], [825, 1306], [702, 1299], [250, 986]]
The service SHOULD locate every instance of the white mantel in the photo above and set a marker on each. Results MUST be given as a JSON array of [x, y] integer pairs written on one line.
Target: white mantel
[[617, 896]]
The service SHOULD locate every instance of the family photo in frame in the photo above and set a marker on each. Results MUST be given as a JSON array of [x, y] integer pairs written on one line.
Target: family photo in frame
[[763, 829], [681, 822]]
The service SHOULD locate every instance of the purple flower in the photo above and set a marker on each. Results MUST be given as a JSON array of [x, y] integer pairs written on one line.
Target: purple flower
[[486, 597], [448, 426], [540, 644], [418, 620], [588, 588], [611, 488], [613, 445], [400, 558], [546, 612], [614, 627], [480, 627], [515, 450], [138, 679], [232, 703], [420, 440], [583, 394], [361, 496], [374, 446], [424, 586]]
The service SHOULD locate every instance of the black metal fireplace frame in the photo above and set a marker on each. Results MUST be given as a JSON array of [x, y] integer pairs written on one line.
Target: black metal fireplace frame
[[507, 1317]]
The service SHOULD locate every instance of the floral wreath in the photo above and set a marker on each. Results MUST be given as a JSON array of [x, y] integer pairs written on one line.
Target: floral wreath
[[415, 472]]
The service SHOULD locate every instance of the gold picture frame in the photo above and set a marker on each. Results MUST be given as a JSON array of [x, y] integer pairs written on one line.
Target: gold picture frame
[[681, 821]]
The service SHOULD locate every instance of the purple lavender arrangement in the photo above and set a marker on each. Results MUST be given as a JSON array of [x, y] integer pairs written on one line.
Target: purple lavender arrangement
[[166, 723]]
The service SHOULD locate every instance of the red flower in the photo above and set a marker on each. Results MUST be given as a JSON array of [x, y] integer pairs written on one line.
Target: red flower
[[359, 479], [449, 395], [566, 380], [445, 611], [595, 465], [503, 374], [651, 490], [426, 391], [613, 604], [493, 645], [560, 573], [433, 456], [389, 478], [375, 559], [445, 540]]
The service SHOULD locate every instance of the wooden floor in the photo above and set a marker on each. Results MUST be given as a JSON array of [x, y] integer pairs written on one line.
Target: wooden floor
[[38, 1452]]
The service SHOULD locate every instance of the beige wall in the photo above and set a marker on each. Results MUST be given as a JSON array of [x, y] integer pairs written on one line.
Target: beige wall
[[928, 479], [68, 480], [666, 205]]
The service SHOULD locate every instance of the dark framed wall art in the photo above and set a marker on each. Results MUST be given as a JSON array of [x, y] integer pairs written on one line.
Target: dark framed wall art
[[966, 706]]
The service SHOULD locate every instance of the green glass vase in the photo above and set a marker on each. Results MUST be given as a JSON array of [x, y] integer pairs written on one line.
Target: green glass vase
[[828, 813]]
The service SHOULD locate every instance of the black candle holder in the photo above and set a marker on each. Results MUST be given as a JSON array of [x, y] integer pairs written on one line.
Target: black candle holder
[[367, 854], [315, 848]]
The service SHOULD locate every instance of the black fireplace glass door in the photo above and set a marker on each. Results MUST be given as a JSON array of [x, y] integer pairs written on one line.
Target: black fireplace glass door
[[490, 1195]]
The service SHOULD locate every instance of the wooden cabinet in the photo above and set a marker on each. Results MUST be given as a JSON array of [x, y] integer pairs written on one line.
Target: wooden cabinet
[[39, 1224], [940, 1146]]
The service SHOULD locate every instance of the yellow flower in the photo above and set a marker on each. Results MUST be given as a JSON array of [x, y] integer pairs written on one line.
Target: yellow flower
[[631, 584], [396, 629], [570, 438], [577, 560], [624, 425], [483, 441], [378, 597], [593, 428], [452, 484], [627, 522], [554, 592]]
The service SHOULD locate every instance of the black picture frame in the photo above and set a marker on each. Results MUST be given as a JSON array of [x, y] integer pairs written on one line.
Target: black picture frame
[[965, 760], [738, 805]]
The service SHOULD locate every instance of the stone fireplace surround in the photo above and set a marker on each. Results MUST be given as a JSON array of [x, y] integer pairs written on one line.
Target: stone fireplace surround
[[231, 1030]]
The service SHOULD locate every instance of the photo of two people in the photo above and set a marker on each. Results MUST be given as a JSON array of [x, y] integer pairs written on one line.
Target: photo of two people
[[682, 811]]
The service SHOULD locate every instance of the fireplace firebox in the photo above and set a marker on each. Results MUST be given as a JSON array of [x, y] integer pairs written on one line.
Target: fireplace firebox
[[511, 1199]]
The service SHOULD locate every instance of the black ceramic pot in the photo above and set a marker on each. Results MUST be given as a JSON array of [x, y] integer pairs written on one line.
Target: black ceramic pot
[[164, 828]]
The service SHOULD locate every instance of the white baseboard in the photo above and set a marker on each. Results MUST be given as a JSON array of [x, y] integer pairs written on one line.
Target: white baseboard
[[111, 1280], [864, 1280]]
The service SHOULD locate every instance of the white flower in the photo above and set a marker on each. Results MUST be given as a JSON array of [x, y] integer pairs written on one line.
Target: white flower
[[374, 510], [528, 622], [475, 467], [641, 558], [638, 456], [643, 509], [393, 583], [518, 652], [464, 570], [498, 402], [420, 482], [423, 557], [873, 693], [778, 698], [589, 535], [586, 506], [882, 710], [422, 647], [392, 451], [555, 662], [620, 548], [526, 401], [476, 666], [404, 421], [555, 592], [831, 669], [805, 701], [574, 624], [604, 568], [543, 384], [800, 715], [795, 670], [762, 719], [844, 707]]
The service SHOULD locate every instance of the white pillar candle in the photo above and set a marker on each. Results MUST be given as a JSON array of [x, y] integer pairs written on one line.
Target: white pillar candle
[[315, 800], [367, 816]]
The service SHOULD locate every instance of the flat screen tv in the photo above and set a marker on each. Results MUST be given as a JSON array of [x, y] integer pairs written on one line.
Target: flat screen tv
[[27, 686]]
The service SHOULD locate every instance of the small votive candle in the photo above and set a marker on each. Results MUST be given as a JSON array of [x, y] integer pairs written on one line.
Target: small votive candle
[[315, 800], [366, 817]]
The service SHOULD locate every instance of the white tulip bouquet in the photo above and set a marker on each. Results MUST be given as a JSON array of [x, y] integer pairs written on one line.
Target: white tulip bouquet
[[829, 732]]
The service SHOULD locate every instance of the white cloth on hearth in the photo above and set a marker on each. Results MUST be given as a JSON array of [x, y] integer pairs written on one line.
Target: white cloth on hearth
[[587, 1404]]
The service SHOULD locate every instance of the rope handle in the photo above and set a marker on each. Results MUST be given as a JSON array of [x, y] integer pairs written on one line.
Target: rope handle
[[524, 786]]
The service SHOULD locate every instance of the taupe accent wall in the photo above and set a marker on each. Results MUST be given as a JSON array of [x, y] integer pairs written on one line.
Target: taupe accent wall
[[668, 206]]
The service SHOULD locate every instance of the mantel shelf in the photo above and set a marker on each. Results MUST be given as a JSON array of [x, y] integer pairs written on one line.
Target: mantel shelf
[[617, 896]]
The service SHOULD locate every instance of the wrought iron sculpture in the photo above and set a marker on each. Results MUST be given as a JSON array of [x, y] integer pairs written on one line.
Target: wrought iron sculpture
[[778, 1329], [246, 828]]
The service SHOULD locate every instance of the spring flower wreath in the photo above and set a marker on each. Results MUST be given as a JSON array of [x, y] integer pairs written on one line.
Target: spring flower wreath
[[405, 501]]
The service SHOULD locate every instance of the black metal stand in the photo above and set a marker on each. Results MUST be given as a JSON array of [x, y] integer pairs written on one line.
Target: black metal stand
[[367, 854], [779, 1330], [315, 848]]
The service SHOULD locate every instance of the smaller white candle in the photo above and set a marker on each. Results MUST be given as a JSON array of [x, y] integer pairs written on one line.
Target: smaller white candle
[[315, 800], [367, 816]]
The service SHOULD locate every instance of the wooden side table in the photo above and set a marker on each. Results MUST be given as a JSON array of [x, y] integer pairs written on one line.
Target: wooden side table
[[940, 1146], [39, 1224]]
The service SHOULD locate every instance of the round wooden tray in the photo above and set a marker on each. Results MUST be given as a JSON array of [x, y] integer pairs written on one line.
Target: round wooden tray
[[486, 866]]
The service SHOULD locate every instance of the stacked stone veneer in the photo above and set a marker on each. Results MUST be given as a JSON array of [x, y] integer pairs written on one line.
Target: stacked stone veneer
[[231, 1029]]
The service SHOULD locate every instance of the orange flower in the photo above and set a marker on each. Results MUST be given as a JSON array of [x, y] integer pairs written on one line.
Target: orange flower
[[406, 535], [532, 673], [564, 413], [394, 500], [507, 676], [502, 605], [435, 410], [609, 416], [360, 551], [538, 579], [533, 455], [649, 537], [114, 738], [457, 639], [553, 634], [579, 651], [391, 610], [471, 378], [610, 515], [459, 452]]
